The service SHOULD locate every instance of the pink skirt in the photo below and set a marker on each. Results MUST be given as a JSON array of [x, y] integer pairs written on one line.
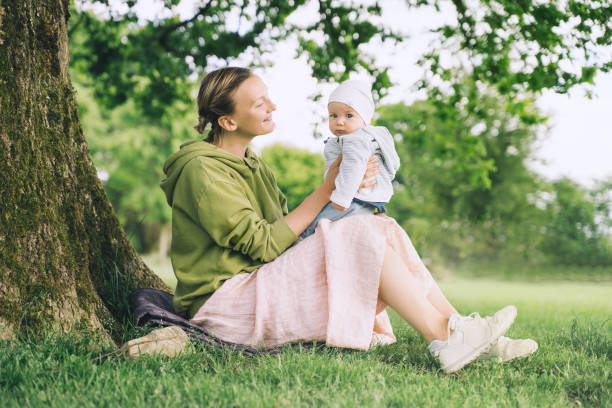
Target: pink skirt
[[325, 288]]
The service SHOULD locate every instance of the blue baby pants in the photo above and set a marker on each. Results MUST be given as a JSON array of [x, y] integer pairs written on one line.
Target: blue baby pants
[[329, 212]]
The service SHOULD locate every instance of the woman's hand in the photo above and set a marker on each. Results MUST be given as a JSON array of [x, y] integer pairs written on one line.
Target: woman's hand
[[371, 171]]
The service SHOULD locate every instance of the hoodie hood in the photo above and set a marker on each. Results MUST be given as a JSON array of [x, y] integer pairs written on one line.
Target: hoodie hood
[[387, 147], [198, 148]]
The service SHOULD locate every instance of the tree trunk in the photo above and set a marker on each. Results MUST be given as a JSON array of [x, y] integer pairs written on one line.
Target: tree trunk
[[65, 262]]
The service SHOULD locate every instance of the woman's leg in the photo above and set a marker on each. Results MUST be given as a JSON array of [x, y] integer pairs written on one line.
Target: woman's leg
[[400, 290], [433, 316], [439, 301]]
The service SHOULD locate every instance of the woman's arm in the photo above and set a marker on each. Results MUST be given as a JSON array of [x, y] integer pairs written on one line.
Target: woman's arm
[[300, 218]]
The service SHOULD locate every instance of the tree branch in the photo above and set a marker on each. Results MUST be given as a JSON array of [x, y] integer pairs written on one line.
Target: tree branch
[[163, 37], [76, 24]]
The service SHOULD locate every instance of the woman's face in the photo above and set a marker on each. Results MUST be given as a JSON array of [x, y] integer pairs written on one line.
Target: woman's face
[[253, 108]]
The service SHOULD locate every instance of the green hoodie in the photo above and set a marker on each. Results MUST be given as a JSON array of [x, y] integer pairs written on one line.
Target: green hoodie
[[227, 217]]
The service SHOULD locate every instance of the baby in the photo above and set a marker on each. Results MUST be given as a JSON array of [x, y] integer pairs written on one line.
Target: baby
[[350, 109]]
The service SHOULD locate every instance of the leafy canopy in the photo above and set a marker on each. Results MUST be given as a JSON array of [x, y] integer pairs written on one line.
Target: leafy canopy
[[151, 62], [523, 45], [516, 45]]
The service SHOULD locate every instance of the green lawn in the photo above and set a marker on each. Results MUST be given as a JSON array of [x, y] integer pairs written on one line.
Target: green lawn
[[569, 320]]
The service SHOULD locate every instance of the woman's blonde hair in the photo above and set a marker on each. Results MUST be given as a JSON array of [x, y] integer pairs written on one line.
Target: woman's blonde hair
[[215, 99]]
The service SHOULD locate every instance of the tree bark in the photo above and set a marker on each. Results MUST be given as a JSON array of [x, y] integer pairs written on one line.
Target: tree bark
[[65, 262]]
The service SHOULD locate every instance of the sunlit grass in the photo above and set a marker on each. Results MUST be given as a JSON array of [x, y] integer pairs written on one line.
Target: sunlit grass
[[570, 321], [513, 270]]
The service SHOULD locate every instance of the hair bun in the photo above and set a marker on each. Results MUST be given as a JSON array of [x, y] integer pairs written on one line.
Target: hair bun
[[201, 126]]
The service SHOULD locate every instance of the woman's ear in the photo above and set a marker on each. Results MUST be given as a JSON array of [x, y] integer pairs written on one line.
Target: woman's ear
[[227, 123]]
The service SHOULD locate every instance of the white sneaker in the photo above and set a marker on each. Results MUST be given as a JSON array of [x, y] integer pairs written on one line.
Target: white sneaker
[[472, 335], [506, 349]]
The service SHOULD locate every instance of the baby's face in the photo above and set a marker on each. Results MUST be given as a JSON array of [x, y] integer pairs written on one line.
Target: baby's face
[[343, 119]]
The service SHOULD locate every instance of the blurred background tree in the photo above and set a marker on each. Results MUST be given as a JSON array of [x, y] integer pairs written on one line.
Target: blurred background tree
[[128, 151], [298, 172], [576, 229], [464, 169], [464, 191]]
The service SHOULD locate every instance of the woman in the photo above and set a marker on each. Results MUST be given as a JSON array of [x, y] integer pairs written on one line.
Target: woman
[[239, 278]]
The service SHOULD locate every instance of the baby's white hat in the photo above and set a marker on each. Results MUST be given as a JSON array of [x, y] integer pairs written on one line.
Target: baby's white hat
[[357, 95]]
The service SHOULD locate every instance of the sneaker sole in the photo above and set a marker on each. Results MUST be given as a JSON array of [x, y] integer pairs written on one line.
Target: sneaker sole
[[519, 356], [458, 365], [508, 359]]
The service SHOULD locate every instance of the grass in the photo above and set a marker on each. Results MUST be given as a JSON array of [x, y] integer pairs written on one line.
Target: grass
[[517, 270], [572, 366]]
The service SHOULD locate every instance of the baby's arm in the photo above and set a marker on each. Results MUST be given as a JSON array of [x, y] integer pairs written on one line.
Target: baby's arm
[[355, 154]]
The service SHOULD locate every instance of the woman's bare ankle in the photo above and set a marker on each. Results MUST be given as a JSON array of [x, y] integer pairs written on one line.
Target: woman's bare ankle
[[440, 331]]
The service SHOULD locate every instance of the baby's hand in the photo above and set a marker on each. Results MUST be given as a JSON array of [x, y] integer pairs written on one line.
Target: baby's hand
[[337, 207]]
